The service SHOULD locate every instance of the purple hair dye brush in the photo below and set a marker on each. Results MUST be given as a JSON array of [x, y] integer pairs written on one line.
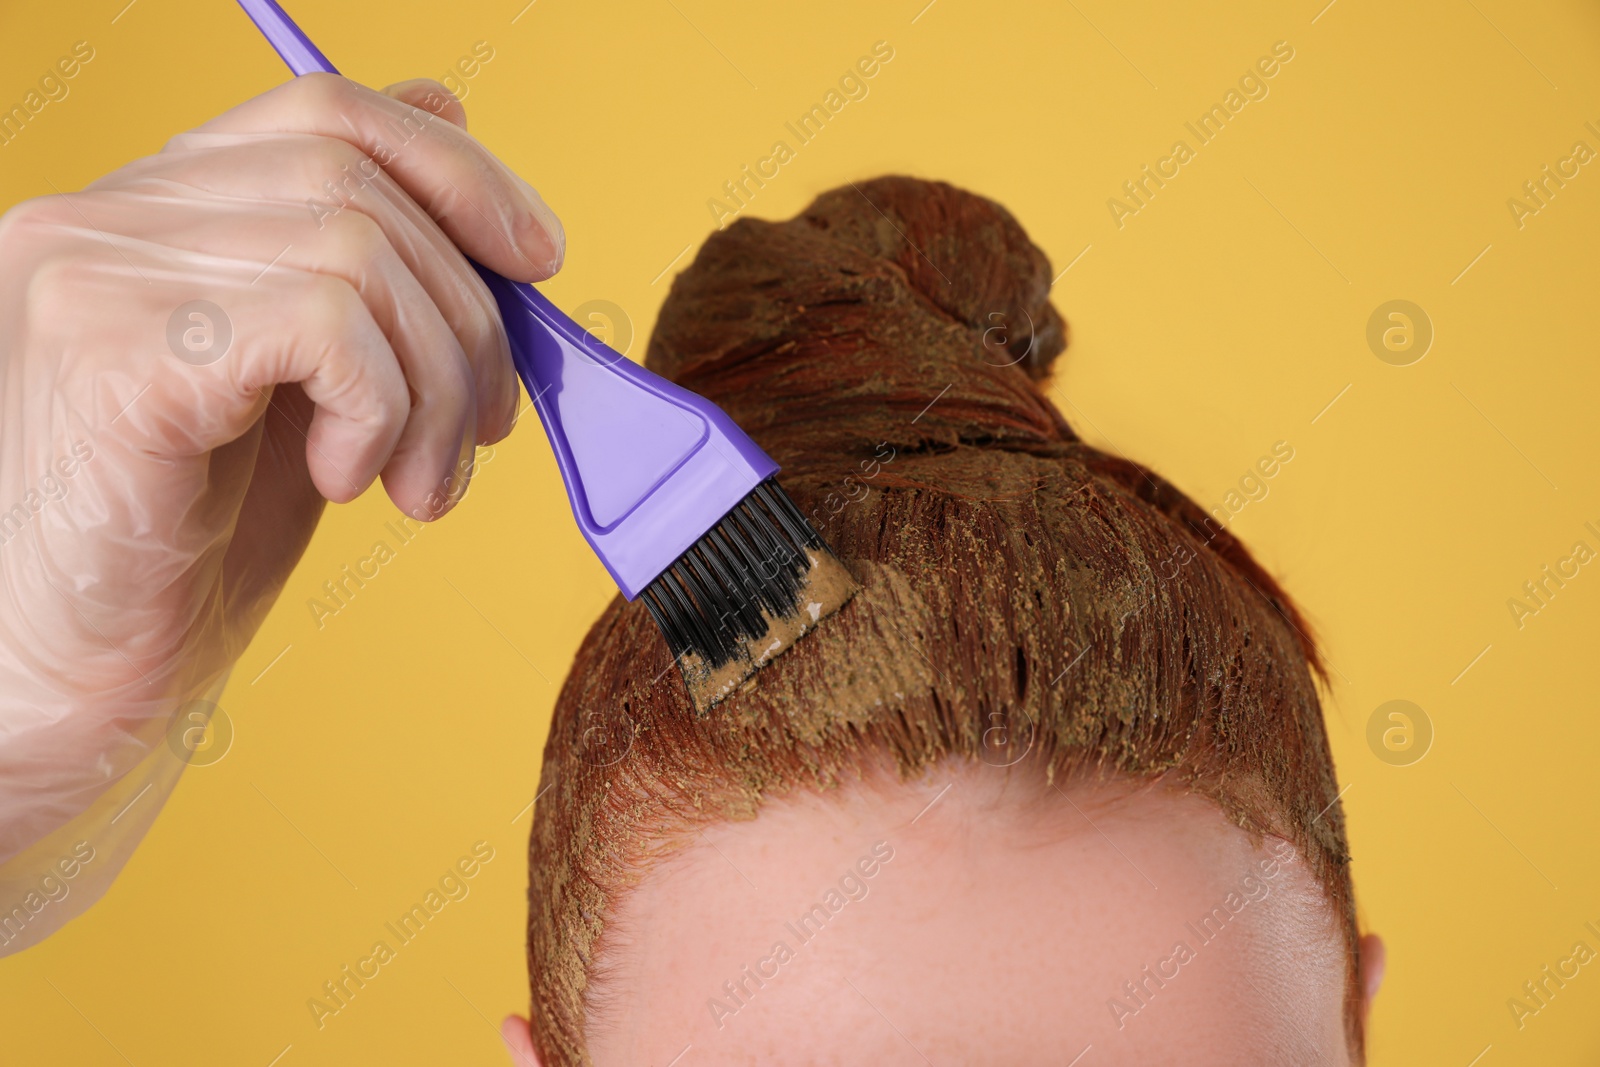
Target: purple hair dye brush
[[677, 501]]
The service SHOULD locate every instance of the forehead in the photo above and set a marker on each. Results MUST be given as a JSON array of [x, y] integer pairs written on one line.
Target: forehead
[[973, 918]]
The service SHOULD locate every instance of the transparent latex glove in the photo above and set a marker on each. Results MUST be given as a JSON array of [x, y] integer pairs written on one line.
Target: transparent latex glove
[[196, 353]]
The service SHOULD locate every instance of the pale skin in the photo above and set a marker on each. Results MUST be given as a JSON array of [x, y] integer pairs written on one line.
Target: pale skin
[[1001, 929]]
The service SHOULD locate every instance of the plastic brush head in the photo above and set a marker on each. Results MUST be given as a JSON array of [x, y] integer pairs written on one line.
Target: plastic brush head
[[753, 585]]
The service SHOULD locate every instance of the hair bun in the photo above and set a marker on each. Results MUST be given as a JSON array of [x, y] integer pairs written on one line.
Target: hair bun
[[894, 310]]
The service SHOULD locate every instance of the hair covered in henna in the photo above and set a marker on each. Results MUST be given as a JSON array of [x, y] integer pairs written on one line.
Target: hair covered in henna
[[1009, 574]]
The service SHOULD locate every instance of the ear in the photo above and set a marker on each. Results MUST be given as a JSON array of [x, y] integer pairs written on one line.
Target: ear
[[518, 1036], [1373, 957]]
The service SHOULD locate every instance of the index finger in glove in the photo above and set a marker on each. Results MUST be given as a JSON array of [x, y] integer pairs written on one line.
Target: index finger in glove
[[491, 214]]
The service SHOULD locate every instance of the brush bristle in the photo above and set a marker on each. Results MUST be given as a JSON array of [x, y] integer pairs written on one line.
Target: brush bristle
[[755, 583]]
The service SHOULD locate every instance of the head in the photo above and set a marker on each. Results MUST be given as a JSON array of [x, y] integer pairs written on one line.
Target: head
[[1055, 778]]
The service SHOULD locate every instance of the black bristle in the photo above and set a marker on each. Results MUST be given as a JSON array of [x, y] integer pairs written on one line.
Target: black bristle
[[789, 516], [753, 561], [745, 561], [663, 618], [738, 590], [783, 558], [681, 602]]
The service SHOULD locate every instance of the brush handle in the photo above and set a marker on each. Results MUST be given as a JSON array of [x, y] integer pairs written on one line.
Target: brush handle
[[649, 466]]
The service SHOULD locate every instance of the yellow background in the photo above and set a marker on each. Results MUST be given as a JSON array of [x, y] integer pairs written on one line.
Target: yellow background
[[1222, 318]]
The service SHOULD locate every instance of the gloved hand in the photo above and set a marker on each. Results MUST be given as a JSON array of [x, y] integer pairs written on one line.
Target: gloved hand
[[196, 352]]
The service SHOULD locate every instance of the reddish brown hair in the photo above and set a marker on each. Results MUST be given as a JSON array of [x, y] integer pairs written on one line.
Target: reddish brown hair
[[886, 347]]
